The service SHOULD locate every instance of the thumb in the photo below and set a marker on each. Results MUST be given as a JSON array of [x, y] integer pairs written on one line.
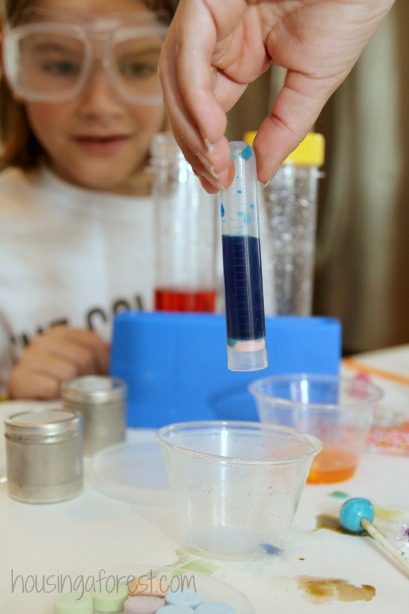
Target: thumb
[[293, 114]]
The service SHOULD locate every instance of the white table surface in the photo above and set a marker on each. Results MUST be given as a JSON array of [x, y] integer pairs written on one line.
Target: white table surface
[[95, 530]]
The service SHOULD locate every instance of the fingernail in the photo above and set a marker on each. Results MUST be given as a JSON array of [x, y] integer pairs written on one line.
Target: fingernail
[[209, 145], [208, 165], [211, 179], [226, 176]]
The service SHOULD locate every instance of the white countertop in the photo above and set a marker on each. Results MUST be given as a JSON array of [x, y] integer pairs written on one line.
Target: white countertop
[[96, 531]]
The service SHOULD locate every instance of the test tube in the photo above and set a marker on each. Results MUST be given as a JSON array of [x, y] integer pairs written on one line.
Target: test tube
[[243, 285]]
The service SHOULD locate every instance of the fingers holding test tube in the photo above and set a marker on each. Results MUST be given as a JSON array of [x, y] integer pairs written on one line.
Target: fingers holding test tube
[[197, 94], [214, 49]]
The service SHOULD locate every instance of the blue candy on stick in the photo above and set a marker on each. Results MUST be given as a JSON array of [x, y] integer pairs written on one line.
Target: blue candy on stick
[[356, 515]]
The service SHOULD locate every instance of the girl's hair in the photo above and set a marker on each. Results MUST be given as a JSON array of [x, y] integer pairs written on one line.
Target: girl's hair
[[20, 145]]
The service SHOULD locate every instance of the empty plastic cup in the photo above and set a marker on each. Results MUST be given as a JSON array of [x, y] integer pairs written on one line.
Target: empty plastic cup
[[235, 486], [337, 410]]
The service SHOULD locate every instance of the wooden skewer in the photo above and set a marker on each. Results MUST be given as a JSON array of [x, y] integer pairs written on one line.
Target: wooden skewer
[[385, 544]]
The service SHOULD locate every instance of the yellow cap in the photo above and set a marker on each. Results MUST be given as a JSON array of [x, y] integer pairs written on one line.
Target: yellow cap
[[249, 137], [310, 152]]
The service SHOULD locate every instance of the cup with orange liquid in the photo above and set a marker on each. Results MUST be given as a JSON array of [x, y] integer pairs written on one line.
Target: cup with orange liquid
[[337, 410]]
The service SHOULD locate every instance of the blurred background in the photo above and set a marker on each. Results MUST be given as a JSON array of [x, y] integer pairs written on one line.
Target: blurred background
[[362, 257]]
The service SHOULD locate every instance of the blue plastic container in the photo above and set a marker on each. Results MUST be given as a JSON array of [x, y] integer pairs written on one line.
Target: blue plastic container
[[175, 364]]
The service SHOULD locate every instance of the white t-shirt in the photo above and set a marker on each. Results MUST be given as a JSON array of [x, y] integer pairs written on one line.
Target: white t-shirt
[[68, 255]]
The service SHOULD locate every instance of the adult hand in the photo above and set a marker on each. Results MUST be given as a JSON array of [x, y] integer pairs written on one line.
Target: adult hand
[[215, 48], [54, 357]]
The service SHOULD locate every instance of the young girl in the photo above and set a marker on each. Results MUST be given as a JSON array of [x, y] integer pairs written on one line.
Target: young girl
[[79, 102]]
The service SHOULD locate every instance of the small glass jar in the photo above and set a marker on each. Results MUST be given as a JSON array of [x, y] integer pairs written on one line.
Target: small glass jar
[[289, 233], [101, 401], [44, 450], [185, 232]]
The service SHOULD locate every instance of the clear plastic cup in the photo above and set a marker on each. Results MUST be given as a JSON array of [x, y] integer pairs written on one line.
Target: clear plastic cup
[[235, 486], [337, 410]]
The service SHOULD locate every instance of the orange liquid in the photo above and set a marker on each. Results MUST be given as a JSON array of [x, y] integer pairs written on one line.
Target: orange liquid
[[174, 300], [332, 465]]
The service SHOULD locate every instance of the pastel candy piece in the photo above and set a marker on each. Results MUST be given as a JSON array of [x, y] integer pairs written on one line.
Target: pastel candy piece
[[142, 605], [110, 601], [175, 609], [144, 585], [353, 511], [214, 608], [73, 604], [254, 345], [189, 599]]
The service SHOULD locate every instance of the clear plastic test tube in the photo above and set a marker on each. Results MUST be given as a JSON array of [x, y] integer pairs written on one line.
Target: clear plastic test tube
[[246, 343]]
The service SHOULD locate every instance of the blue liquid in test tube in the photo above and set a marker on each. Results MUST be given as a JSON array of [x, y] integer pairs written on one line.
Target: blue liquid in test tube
[[246, 342]]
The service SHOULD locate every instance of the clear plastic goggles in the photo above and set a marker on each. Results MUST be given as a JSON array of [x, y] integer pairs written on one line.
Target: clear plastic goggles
[[52, 61]]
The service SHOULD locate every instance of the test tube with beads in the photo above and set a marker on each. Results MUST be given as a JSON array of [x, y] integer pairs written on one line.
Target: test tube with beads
[[246, 343]]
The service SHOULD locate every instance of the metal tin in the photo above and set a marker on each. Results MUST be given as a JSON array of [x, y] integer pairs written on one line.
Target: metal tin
[[101, 400], [44, 449]]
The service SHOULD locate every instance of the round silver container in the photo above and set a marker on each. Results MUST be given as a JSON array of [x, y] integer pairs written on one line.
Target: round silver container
[[44, 455], [101, 400]]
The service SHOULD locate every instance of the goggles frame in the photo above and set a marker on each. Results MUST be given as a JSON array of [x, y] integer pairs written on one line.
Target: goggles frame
[[105, 30]]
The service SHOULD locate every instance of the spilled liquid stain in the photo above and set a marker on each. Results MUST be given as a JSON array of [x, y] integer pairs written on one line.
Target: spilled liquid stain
[[320, 590], [338, 494], [186, 561], [387, 513], [331, 523], [270, 549], [206, 568]]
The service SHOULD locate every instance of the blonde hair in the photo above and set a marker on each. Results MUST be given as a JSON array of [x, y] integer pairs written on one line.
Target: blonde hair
[[20, 145]]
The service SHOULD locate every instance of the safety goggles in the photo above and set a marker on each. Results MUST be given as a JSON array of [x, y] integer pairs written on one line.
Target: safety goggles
[[52, 61]]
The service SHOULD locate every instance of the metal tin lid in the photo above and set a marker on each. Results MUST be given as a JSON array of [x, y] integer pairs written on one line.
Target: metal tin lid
[[93, 389], [43, 423]]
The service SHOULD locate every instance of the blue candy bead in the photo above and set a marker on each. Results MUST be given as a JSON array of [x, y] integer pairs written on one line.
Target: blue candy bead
[[353, 511], [214, 608], [174, 609], [189, 599]]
